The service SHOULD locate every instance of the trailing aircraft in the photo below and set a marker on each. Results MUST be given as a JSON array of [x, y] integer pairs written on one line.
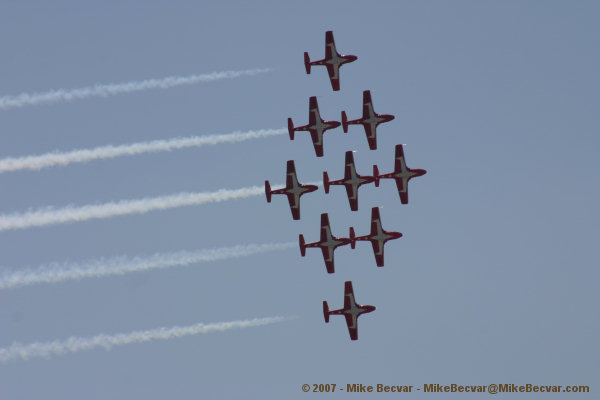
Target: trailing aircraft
[[316, 126], [378, 236], [370, 120], [351, 310], [401, 174], [351, 181], [333, 61], [292, 189], [327, 243]]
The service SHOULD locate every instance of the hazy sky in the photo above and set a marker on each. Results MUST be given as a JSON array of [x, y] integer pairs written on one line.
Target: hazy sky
[[494, 281]]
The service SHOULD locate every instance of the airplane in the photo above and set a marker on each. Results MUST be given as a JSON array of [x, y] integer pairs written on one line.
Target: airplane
[[292, 189], [378, 236], [402, 174], [316, 126], [333, 61], [351, 310], [352, 181], [370, 120], [328, 243]]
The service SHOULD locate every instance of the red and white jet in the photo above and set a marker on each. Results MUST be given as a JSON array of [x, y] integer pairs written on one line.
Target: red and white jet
[[333, 61], [328, 243], [352, 181], [351, 310], [370, 120], [292, 189], [402, 174], [316, 126], [378, 236]]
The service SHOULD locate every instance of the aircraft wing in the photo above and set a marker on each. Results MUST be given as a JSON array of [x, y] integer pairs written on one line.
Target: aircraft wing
[[294, 201], [378, 252], [348, 295], [400, 162], [367, 105], [334, 76], [352, 322], [352, 192], [313, 111], [371, 132], [330, 49], [402, 190], [317, 140], [291, 178], [328, 257], [325, 228]]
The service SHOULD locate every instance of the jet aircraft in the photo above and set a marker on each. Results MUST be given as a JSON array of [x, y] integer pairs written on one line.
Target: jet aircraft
[[401, 174], [352, 181], [351, 310], [327, 243], [292, 189], [333, 61], [378, 236], [316, 126], [370, 120]]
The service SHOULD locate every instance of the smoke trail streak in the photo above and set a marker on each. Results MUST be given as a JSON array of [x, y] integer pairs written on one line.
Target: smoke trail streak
[[53, 96], [53, 159], [75, 344], [55, 272], [49, 216]]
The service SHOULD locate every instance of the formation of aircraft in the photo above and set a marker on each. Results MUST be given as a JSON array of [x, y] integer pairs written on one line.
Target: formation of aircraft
[[333, 61], [351, 310], [292, 189], [370, 120], [327, 242], [316, 126], [351, 181]]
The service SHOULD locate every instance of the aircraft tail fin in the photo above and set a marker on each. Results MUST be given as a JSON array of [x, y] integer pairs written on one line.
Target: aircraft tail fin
[[291, 128], [344, 122], [307, 62], [352, 238], [268, 191], [326, 311], [376, 175], [326, 181], [302, 245]]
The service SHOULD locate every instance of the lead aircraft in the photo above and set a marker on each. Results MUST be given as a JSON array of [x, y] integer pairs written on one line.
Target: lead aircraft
[[292, 189], [401, 174], [351, 310], [378, 236], [333, 61], [316, 126], [370, 120], [352, 181], [328, 243]]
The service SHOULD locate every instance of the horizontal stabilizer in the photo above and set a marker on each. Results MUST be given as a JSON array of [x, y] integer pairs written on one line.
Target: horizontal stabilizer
[[307, 62], [268, 191], [326, 311], [326, 181], [291, 128], [376, 175], [302, 245], [352, 238], [344, 122]]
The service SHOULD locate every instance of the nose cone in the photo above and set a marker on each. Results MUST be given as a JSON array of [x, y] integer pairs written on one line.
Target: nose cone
[[334, 124], [389, 117], [371, 308], [421, 172], [353, 58]]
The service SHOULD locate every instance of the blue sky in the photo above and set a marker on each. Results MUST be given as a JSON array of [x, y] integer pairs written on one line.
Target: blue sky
[[494, 281]]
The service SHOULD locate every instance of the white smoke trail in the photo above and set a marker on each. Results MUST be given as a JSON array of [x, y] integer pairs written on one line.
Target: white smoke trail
[[74, 344], [53, 159], [53, 96], [49, 216], [55, 272]]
